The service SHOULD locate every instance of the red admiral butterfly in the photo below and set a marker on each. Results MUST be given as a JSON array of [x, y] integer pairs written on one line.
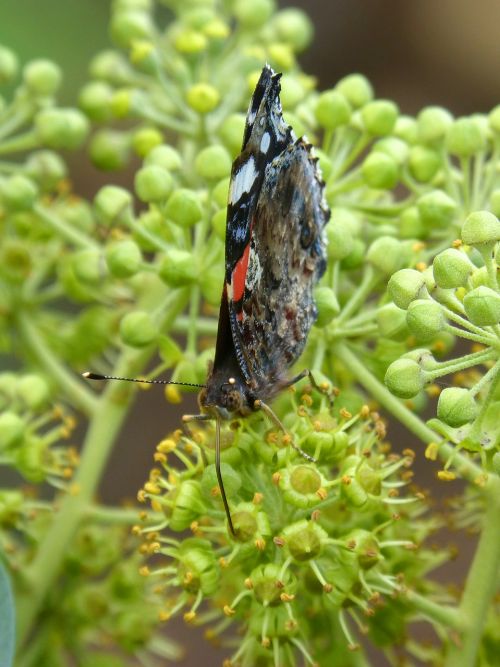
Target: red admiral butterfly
[[275, 254]]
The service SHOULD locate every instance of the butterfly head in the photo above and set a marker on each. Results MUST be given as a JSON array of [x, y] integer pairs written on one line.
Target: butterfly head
[[225, 396]]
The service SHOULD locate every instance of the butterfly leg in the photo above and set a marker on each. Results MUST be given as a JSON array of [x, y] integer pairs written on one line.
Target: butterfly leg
[[308, 373], [188, 418], [276, 420]]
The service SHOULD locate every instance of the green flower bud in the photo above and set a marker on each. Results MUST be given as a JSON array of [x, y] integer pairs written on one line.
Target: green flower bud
[[451, 268], [128, 26], [164, 156], [213, 163], [188, 41], [356, 257], [356, 89], [46, 168], [11, 428], [391, 322], [219, 223], [327, 304], [15, 260], [122, 103], [18, 193], [379, 117], [110, 150], [305, 540], [86, 265], [253, 15], [425, 319], [9, 65], [42, 77], [137, 329], [380, 171], [123, 258], [482, 306], [184, 208], [423, 163], [292, 91], [495, 202], [31, 458], [481, 227], [217, 31], [405, 286], [220, 192], [423, 357], [436, 209], [366, 547], [145, 139], [61, 128], [395, 148], [386, 254], [294, 27], [406, 129], [231, 131], [456, 406], [94, 100], [78, 212], [33, 390], [352, 490], [203, 98], [112, 204], [410, 224], [404, 378], [433, 124], [300, 485], [153, 184], [465, 138], [211, 285], [332, 110], [197, 569], [187, 505], [110, 66], [494, 119], [209, 481], [250, 522], [178, 268], [282, 58], [265, 584]]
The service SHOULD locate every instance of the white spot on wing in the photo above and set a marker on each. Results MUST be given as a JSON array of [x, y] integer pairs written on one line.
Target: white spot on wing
[[264, 142], [243, 180]]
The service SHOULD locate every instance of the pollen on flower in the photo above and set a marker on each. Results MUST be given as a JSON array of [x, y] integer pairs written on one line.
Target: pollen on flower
[[446, 475], [257, 498], [164, 616], [260, 544], [421, 266], [364, 412], [160, 458], [248, 583], [189, 616], [307, 400], [265, 642], [345, 414], [229, 611], [144, 571], [322, 493], [276, 477], [431, 451], [287, 597], [154, 489], [346, 479]]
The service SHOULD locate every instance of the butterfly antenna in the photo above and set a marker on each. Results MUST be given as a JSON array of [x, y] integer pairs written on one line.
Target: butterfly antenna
[[219, 475], [96, 376]]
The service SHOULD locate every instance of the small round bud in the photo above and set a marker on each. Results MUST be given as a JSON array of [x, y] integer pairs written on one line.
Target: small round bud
[[482, 306], [110, 149], [61, 128], [465, 138], [356, 257], [425, 319], [253, 15], [110, 66], [33, 390], [456, 406], [137, 329], [294, 27], [184, 208], [187, 505], [300, 485], [292, 91], [305, 540], [395, 148], [46, 168], [218, 223], [220, 192], [153, 184], [213, 163], [451, 268], [86, 266], [356, 89], [203, 98], [379, 117], [94, 100], [112, 204], [11, 428], [432, 124], [145, 139], [406, 285], [391, 322], [406, 129], [281, 57], [495, 202], [123, 258], [164, 156], [209, 481], [122, 103], [128, 26], [231, 131], [436, 209], [327, 304], [178, 268], [332, 110], [9, 65], [404, 378], [494, 119], [42, 77], [380, 171], [189, 42], [386, 254], [481, 227], [410, 224], [423, 163], [18, 193]]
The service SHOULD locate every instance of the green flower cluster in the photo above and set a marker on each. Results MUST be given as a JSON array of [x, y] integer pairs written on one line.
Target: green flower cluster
[[130, 283], [332, 540]]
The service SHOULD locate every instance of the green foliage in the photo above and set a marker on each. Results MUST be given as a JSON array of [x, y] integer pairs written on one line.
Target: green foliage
[[320, 553]]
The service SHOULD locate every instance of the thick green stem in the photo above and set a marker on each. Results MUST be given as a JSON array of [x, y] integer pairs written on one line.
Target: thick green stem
[[445, 615], [481, 585]]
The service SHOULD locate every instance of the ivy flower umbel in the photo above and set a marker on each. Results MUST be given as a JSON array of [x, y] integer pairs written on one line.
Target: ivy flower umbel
[[298, 544]]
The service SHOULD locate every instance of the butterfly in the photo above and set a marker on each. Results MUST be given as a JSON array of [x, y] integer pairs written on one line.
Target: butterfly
[[274, 256]]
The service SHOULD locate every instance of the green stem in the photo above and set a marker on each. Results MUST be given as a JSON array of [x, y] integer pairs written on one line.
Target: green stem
[[434, 611], [359, 295], [21, 142], [480, 586], [467, 468], [63, 229]]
